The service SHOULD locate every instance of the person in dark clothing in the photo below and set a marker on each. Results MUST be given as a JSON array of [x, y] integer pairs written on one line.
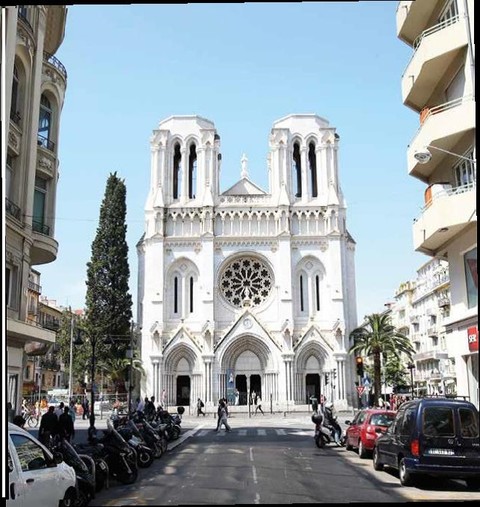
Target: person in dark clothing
[[48, 426], [149, 409], [65, 425], [19, 421], [200, 405]]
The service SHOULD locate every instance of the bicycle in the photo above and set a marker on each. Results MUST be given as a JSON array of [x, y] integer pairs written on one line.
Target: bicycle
[[31, 419]]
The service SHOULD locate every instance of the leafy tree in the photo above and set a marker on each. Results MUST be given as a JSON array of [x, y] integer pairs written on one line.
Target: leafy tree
[[108, 301], [377, 336]]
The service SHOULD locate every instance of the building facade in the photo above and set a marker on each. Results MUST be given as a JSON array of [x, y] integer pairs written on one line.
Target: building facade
[[246, 290], [438, 83], [34, 81]]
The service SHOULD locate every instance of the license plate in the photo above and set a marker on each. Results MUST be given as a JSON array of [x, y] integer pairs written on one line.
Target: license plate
[[440, 452], [102, 465]]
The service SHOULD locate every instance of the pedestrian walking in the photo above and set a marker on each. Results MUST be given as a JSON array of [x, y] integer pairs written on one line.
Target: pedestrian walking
[[222, 416], [200, 405], [253, 398], [149, 409], [66, 427], [48, 426], [259, 405], [85, 408], [141, 405], [59, 409]]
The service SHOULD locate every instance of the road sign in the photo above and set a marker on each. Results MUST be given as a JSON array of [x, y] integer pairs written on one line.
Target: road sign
[[360, 390]]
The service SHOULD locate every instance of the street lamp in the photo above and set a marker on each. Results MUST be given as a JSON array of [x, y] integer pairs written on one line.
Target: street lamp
[[78, 341], [411, 367], [423, 156]]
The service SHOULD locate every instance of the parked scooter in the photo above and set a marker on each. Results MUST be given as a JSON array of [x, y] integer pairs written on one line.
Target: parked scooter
[[120, 457], [85, 472], [151, 436], [95, 452], [170, 424], [130, 433]]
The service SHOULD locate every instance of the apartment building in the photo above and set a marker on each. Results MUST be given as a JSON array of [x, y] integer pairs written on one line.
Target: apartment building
[[438, 83], [34, 81]]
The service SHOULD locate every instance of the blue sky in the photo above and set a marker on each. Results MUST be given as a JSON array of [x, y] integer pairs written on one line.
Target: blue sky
[[243, 66]]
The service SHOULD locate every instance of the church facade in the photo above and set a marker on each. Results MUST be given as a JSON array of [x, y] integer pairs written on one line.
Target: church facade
[[246, 290]]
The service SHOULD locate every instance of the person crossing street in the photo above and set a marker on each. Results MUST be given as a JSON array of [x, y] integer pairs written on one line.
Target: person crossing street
[[200, 405]]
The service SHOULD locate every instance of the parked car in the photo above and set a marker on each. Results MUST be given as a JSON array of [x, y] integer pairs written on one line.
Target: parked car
[[363, 431], [432, 436], [35, 475]]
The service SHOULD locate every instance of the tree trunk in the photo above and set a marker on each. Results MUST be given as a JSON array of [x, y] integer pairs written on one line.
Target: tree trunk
[[377, 379]]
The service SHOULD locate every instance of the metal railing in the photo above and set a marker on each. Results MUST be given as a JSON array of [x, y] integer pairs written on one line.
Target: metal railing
[[41, 228], [53, 60], [12, 209], [434, 29], [35, 287], [45, 142]]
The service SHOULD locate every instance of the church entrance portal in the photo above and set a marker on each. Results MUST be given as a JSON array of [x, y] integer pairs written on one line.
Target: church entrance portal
[[183, 390], [241, 385], [312, 383]]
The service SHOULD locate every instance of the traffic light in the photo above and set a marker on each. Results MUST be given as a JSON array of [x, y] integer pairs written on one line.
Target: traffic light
[[326, 378], [359, 362]]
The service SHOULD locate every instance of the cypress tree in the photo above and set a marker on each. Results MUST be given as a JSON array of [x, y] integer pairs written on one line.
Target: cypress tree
[[108, 301]]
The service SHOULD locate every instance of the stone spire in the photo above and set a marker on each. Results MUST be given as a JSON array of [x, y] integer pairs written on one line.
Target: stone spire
[[244, 173]]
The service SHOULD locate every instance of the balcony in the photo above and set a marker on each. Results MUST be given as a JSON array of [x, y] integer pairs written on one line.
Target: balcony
[[432, 331], [34, 287], [435, 50], [12, 209], [444, 126], [443, 302], [412, 19], [45, 143], [430, 354], [447, 215], [45, 248]]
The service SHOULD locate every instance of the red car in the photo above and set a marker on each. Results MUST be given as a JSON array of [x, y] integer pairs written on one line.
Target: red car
[[363, 431]]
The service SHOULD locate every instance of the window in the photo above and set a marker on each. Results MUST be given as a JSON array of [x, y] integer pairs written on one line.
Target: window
[[191, 294], [301, 294], [45, 122], [9, 177], [297, 170], [23, 12], [408, 421], [464, 171], [175, 295], [317, 292], [11, 276], [177, 174], [382, 419], [183, 280], [438, 422], [449, 11], [312, 162], [192, 172], [30, 454], [471, 277], [468, 423], [39, 200], [14, 104]]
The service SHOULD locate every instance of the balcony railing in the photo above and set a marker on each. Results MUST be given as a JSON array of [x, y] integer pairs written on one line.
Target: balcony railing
[[446, 193], [45, 143], [434, 29], [15, 117], [34, 287], [12, 209], [53, 60], [41, 228]]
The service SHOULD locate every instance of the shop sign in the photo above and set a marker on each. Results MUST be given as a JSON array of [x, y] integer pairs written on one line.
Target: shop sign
[[473, 339]]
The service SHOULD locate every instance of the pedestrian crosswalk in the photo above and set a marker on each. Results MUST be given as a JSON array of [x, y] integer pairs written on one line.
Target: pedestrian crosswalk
[[255, 432]]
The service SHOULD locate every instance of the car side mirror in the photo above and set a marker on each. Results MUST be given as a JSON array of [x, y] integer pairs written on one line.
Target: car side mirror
[[348, 422]]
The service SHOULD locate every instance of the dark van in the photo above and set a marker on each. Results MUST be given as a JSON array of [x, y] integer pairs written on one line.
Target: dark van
[[432, 436]]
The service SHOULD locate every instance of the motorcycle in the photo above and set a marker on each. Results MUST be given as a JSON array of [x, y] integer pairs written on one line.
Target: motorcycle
[[84, 470], [151, 436], [326, 434], [130, 433], [169, 423], [120, 457], [95, 452]]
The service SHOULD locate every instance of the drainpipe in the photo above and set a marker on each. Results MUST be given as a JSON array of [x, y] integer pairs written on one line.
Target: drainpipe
[[470, 46]]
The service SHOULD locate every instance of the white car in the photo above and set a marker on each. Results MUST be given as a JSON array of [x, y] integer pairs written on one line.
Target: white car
[[35, 475]]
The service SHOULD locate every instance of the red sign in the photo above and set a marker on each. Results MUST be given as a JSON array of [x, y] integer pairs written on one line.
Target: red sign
[[472, 338], [360, 390]]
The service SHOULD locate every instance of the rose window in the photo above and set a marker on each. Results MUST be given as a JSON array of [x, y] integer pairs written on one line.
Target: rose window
[[246, 278]]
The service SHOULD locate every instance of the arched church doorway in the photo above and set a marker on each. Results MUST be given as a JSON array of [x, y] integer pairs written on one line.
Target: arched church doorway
[[312, 384], [241, 386], [255, 386], [183, 390]]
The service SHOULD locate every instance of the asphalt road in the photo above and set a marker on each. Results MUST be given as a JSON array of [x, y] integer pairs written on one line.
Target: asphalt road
[[265, 459]]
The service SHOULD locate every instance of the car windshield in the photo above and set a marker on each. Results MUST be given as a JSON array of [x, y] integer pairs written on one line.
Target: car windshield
[[382, 419]]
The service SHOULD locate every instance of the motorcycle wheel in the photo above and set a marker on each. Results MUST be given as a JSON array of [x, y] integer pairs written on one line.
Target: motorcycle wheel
[[176, 433], [319, 441], [83, 498], [128, 478], [144, 458]]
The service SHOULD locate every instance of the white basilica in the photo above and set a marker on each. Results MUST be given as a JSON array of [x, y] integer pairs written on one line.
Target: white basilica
[[246, 290]]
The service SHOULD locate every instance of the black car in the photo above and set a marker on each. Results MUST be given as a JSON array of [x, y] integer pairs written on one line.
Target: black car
[[432, 436]]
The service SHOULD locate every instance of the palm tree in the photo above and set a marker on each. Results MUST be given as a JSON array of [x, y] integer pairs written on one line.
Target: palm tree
[[377, 336]]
